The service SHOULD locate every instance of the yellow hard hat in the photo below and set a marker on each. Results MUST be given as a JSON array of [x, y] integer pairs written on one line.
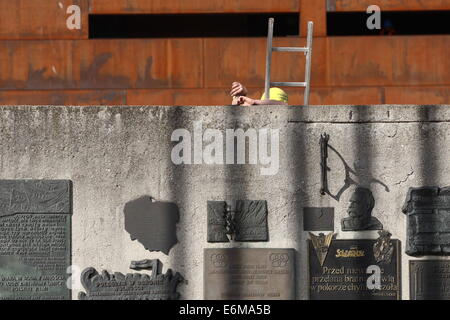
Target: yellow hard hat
[[276, 94]]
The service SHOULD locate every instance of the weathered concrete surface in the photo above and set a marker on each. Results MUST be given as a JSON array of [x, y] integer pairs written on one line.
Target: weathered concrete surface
[[117, 154]]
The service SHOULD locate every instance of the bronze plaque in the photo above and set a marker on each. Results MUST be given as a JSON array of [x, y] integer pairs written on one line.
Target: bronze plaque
[[427, 211], [429, 279], [237, 220], [131, 286], [35, 239], [249, 274], [152, 223], [318, 219], [343, 274]]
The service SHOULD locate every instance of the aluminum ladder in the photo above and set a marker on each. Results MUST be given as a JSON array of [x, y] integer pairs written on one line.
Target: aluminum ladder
[[307, 51]]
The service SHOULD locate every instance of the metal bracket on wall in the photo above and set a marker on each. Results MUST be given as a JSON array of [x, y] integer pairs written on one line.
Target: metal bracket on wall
[[323, 162]]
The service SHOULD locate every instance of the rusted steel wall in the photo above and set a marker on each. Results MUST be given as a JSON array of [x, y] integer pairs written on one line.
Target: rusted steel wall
[[43, 62], [337, 61], [192, 6], [101, 64], [313, 11], [40, 19], [318, 96], [63, 97], [176, 97], [388, 5]]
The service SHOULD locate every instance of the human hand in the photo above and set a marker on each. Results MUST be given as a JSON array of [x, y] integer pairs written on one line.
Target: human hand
[[235, 101], [237, 89], [246, 101]]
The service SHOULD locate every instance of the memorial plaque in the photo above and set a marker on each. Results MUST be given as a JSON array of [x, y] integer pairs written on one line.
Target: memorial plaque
[[237, 220], [343, 275], [249, 274], [361, 204], [132, 286], [152, 223], [428, 221], [429, 279], [35, 239], [318, 219]]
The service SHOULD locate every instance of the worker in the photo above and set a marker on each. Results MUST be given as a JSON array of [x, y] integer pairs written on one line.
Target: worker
[[239, 94]]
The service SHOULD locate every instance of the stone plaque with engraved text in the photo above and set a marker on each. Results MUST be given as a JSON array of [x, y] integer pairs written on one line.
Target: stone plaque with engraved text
[[262, 274], [35, 239]]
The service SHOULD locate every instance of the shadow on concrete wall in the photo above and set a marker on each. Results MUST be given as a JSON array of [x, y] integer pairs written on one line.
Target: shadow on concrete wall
[[348, 180], [297, 136], [236, 188], [428, 160], [178, 191], [428, 149]]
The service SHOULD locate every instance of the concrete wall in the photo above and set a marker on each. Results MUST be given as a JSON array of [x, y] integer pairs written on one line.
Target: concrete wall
[[117, 154]]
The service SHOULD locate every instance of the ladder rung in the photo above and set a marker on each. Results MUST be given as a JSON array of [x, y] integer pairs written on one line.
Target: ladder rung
[[288, 84], [290, 49]]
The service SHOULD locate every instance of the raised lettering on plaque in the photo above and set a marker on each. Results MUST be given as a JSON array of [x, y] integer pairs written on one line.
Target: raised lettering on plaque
[[132, 286], [428, 221], [35, 239], [261, 274], [344, 274], [429, 279]]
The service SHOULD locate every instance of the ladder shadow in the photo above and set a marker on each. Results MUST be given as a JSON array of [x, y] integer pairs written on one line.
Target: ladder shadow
[[348, 180]]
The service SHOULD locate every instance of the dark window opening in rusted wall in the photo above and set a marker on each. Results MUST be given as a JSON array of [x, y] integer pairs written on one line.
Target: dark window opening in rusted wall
[[191, 25], [392, 23]]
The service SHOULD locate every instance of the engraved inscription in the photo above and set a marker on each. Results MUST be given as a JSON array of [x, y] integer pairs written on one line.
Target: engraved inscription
[[34, 246], [132, 286], [429, 279], [343, 276], [249, 274]]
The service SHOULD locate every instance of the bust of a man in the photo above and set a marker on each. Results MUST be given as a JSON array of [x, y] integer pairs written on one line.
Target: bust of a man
[[360, 212]]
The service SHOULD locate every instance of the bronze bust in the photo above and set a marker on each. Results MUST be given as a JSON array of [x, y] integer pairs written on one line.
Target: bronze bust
[[360, 212]]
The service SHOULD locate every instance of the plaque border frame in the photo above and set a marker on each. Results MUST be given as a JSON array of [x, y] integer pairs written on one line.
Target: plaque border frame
[[294, 269], [397, 244], [69, 231], [411, 295]]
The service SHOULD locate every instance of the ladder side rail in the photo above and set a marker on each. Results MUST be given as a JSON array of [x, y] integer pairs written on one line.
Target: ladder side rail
[[268, 58], [309, 44]]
